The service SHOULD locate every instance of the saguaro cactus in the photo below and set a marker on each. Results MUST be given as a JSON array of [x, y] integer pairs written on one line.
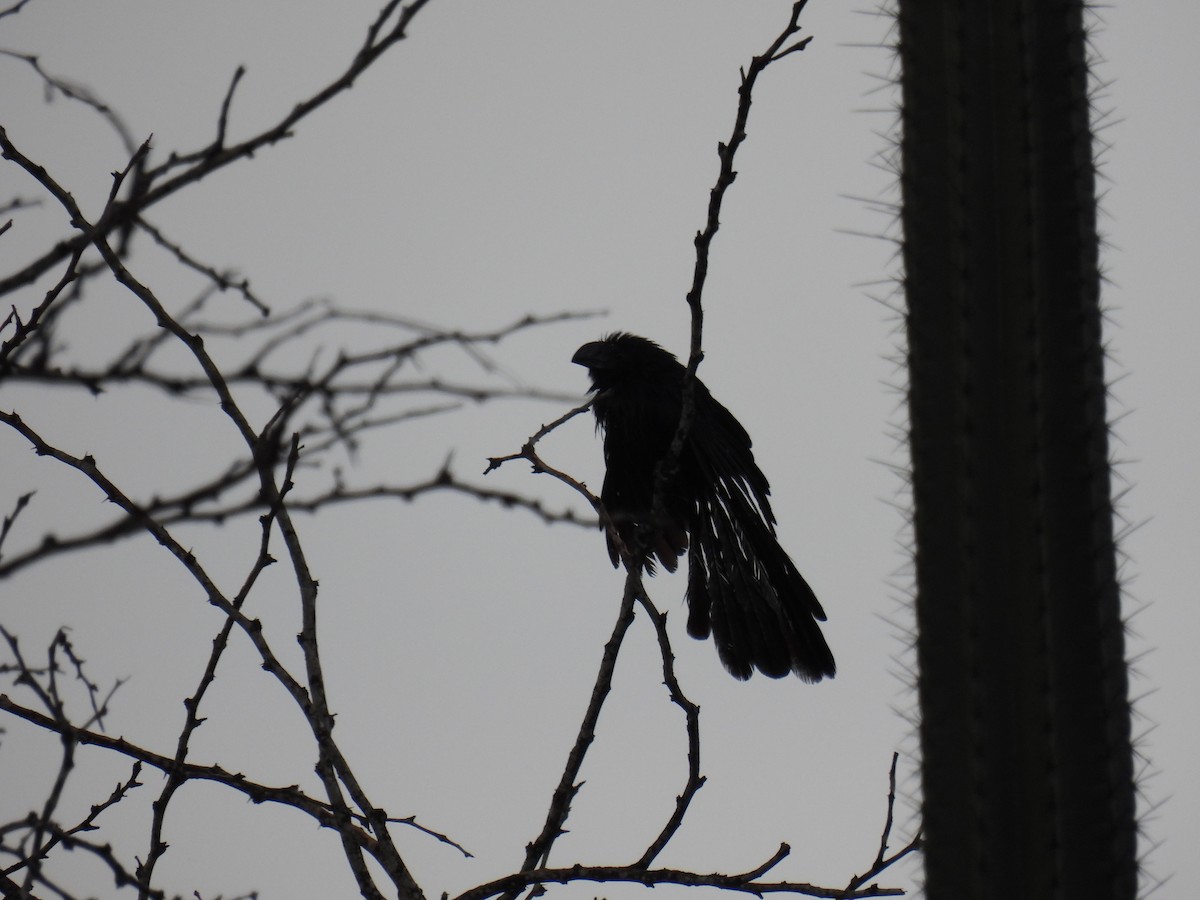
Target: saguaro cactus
[[1025, 727]]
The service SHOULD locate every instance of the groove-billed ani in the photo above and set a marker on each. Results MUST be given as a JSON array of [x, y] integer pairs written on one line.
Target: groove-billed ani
[[742, 586]]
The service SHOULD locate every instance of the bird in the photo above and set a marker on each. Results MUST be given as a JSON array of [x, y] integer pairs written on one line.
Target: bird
[[742, 587]]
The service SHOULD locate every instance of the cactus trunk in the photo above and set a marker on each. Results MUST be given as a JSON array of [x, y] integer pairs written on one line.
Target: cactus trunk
[[1025, 726]]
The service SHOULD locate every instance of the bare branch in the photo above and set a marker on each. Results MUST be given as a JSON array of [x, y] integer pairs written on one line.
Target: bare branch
[[222, 280], [23, 330], [411, 822], [191, 705], [326, 405], [72, 91], [14, 9], [7, 524], [226, 104], [510, 885], [258, 793], [703, 241], [69, 837], [15, 204], [537, 852], [691, 713], [882, 860], [157, 183]]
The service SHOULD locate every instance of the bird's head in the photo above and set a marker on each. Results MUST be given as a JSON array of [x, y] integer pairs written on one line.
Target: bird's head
[[622, 357]]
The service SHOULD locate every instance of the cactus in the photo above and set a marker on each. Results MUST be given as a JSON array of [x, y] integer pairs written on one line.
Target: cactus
[[1028, 787]]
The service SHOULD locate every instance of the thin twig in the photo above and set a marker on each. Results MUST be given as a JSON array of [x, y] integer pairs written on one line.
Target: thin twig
[[192, 720], [537, 852], [512, 884], [181, 170], [7, 524], [726, 152], [226, 104], [256, 792], [882, 860], [74, 92], [691, 713], [222, 280]]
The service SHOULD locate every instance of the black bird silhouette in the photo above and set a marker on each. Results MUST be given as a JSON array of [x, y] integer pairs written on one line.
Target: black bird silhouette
[[743, 589]]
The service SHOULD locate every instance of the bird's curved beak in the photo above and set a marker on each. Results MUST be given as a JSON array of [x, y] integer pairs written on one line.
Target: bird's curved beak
[[591, 355]]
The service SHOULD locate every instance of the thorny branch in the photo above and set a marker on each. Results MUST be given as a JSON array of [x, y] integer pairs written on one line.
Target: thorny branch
[[726, 152], [291, 796], [333, 403], [332, 409], [748, 883], [346, 409], [175, 780], [181, 170], [532, 875], [883, 861]]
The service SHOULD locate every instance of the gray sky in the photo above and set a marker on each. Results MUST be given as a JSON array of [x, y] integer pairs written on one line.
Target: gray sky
[[516, 157]]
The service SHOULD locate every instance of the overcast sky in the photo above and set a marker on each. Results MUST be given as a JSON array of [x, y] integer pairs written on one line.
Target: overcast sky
[[517, 157]]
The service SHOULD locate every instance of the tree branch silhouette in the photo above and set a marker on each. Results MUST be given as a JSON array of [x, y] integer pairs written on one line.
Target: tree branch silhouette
[[292, 422]]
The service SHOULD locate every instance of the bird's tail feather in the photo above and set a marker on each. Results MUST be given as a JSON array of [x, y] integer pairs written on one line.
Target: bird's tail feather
[[745, 591]]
